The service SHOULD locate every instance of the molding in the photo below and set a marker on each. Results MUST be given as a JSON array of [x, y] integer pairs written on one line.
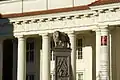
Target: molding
[[105, 6], [49, 18], [62, 17]]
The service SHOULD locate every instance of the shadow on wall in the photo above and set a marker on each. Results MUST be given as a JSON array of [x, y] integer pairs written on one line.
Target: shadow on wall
[[0, 15], [6, 28], [6, 32]]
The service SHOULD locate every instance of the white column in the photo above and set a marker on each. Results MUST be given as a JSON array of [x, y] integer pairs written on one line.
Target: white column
[[14, 59], [46, 57], [41, 58], [1, 58], [72, 37], [41, 62], [98, 46], [21, 67], [104, 56]]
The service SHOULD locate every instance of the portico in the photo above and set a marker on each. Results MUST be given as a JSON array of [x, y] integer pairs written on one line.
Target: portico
[[45, 64], [91, 36]]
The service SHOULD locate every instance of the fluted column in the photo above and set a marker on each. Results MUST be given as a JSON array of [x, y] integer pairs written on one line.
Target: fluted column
[[104, 57], [72, 37], [1, 58], [45, 57], [21, 65], [98, 46]]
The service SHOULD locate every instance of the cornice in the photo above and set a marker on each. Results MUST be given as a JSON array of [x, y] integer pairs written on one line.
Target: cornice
[[63, 16], [113, 5], [106, 8], [51, 18]]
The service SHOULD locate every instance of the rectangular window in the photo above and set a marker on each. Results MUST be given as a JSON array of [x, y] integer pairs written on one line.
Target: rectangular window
[[30, 51], [79, 49], [80, 76], [30, 77]]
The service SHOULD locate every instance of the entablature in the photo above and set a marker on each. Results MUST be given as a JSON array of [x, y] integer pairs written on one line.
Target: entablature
[[73, 20]]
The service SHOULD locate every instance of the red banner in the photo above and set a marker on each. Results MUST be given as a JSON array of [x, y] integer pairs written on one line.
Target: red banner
[[103, 40]]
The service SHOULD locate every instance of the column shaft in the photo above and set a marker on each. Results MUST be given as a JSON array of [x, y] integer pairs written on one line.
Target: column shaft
[[46, 57], [73, 54], [98, 46], [104, 57], [1, 59], [21, 70]]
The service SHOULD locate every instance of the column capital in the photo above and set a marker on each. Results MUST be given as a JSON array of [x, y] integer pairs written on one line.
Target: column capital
[[45, 35], [104, 29], [21, 37], [100, 28], [71, 32], [96, 29]]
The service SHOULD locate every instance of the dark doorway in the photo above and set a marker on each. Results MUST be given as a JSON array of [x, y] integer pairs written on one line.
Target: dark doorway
[[7, 59]]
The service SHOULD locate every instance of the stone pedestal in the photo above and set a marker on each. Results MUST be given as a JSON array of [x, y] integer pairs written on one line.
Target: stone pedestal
[[62, 63]]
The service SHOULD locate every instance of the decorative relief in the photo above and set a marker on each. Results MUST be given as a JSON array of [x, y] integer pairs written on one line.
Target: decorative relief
[[62, 66], [62, 72]]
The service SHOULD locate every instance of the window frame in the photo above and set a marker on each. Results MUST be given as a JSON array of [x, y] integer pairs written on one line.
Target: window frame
[[79, 48], [30, 52], [30, 76]]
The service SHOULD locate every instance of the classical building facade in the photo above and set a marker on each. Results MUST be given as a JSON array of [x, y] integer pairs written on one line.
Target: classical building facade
[[26, 42]]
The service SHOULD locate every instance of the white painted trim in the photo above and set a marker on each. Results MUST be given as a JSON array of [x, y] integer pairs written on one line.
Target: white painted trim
[[105, 6]]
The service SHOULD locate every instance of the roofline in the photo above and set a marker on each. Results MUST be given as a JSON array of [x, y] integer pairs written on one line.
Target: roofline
[[50, 11], [103, 2], [44, 12]]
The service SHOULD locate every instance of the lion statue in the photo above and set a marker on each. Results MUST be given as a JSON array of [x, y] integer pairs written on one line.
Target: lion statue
[[61, 39]]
